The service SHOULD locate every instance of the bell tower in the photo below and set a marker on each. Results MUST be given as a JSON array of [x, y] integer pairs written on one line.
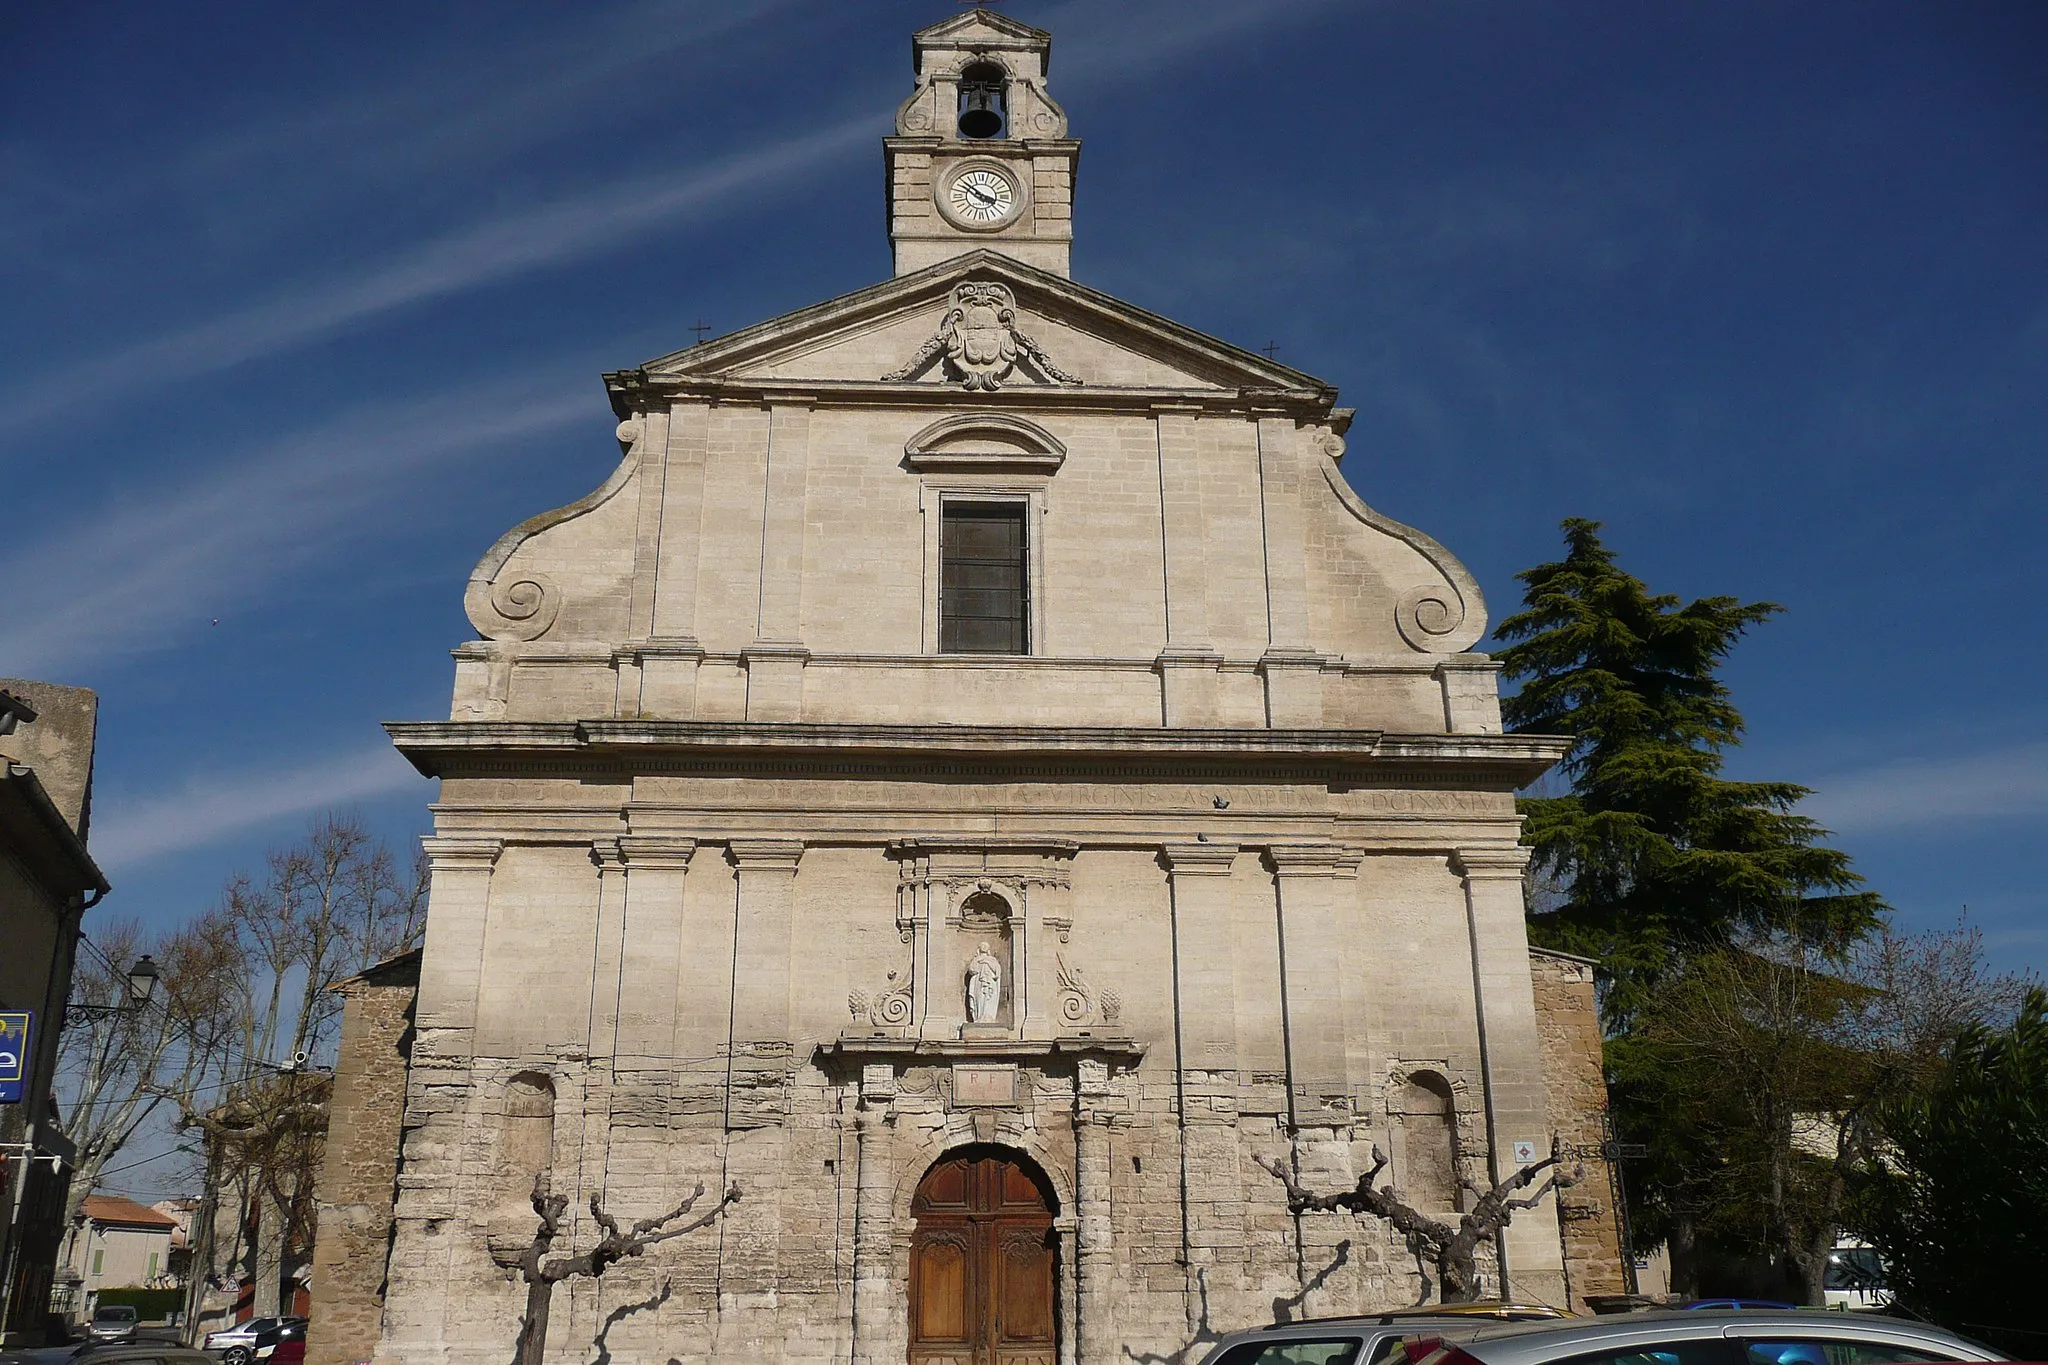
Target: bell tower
[[981, 156]]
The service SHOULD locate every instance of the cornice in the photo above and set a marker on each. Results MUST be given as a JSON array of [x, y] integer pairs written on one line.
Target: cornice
[[634, 391], [444, 748], [903, 1050]]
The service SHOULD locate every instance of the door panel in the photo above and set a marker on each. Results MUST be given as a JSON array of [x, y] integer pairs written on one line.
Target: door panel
[[942, 1305], [982, 1271], [1024, 1318]]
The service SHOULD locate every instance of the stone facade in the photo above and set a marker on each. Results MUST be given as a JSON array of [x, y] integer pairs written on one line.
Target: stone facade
[[1568, 1017], [357, 1186], [724, 821], [47, 881]]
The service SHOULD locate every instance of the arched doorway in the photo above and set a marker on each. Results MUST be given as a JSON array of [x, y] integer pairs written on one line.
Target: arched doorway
[[981, 1262]]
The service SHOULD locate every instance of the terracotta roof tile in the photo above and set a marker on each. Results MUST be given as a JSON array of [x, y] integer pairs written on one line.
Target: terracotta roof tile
[[110, 1208]]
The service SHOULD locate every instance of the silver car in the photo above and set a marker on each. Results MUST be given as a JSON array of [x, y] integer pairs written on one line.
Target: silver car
[[1739, 1337], [1370, 1340], [237, 1344]]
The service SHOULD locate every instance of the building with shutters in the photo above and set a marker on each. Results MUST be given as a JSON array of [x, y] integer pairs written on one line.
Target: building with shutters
[[975, 776]]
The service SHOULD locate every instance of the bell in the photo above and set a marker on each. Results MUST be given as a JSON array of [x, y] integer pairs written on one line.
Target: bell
[[981, 110]]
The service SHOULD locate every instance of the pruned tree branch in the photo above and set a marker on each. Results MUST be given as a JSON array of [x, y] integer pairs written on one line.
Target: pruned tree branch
[[542, 1274], [1453, 1251]]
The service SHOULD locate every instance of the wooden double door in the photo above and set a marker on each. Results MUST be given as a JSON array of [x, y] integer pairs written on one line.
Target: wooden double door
[[982, 1264]]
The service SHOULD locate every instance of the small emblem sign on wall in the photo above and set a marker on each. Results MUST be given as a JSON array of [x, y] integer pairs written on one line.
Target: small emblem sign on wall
[[1525, 1153], [14, 1033], [980, 1085]]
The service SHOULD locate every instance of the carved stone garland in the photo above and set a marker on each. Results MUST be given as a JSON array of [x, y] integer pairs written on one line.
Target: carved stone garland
[[979, 343]]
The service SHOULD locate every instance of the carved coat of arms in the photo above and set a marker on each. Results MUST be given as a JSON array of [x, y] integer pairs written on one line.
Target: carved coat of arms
[[979, 341]]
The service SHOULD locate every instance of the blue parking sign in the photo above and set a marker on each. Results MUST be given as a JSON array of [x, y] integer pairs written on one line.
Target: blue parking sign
[[14, 1030]]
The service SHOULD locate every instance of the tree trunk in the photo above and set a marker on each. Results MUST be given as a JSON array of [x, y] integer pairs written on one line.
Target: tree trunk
[[268, 1235], [533, 1330], [1682, 1246], [1812, 1261], [1457, 1277]]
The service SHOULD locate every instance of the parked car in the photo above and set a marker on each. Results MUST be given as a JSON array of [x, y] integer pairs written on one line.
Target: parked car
[[283, 1344], [112, 1322], [1497, 1309], [140, 1353], [236, 1343], [1731, 1337], [1698, 1304], [1375, 1339]]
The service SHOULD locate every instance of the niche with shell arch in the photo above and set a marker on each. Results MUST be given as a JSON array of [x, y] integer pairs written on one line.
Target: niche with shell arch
[[526, 1147], [1426, 1156]]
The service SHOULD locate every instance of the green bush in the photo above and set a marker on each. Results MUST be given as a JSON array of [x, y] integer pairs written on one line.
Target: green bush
[[150, 1305]]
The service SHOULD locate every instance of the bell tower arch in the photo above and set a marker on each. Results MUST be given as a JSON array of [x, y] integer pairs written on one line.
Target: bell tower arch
[[981, 156]]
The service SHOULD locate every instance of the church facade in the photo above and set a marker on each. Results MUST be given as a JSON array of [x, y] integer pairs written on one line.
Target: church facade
[[976, 778]]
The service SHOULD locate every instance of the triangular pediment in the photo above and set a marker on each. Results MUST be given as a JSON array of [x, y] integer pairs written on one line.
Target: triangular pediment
[[1066, 334], [977, 25]]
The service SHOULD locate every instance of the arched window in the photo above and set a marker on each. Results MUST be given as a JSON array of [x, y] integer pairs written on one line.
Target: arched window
[[984, 89], [1429, 1141]]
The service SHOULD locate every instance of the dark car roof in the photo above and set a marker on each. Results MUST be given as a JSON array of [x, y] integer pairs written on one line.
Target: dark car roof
[[1533, 1343]]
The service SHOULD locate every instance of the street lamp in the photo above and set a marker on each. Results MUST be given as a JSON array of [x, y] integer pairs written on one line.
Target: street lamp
[[142, 980]]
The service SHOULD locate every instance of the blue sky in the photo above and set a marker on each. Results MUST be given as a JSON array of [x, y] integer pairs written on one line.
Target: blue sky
[[305, 305]]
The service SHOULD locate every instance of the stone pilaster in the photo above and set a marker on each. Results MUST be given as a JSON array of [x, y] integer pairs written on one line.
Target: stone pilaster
[[437, 1100], [651, 965], [1510, 1055], [775, 661], [757, 1121], [1095, 1250], [671, 656], [1312, 935], [1205, 1004], [767, 877], [458, 907], [1182, 530], [874, 1290], [646, 440], [649, 873]]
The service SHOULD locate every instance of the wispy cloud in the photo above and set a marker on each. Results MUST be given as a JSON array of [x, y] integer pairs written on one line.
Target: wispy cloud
[[480, 254], [258, 177], [129, 578], [216, 808], [506, 245], [1996, 784]]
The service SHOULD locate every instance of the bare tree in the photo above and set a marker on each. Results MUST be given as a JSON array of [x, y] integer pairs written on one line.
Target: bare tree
[[1453, 1251], [120, 1063], [542, 1274], [325, 908]]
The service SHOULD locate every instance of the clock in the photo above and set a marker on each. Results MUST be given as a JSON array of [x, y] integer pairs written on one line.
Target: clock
[[980, 195]]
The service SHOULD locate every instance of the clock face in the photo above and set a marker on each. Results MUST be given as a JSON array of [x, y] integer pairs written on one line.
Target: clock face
[[981, 196]]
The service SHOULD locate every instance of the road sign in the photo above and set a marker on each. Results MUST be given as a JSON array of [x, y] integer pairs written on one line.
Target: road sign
[[14, 1033]]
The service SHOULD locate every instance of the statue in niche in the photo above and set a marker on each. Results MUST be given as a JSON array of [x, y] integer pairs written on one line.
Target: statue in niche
[[984, 986]]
